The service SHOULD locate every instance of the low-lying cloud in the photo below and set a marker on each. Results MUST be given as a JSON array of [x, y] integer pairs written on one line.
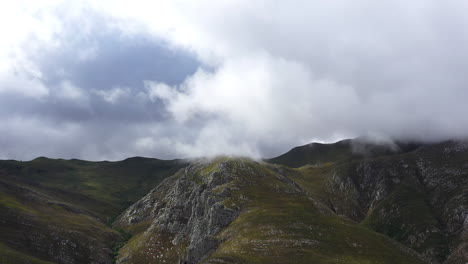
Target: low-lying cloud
[[186, 78]]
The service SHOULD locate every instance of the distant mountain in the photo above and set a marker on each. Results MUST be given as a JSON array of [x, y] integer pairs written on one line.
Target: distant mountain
[[317, 153], [348, 202]]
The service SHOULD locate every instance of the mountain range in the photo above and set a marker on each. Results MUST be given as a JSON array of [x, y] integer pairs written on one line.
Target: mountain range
[[352, 201]]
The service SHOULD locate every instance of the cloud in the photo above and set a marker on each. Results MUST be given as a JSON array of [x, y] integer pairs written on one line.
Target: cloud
[[289, 73], [113, 95], [11, 82], [69, 91], [258, 100], [72, 84], [192, 78]]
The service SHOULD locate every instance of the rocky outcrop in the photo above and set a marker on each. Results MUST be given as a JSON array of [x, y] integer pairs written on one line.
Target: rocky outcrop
[[419, 198], [240, 211], [188, 206]]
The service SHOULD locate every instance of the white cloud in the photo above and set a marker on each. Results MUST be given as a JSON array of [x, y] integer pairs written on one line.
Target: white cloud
[[259, 100], [88, 53], [67, 90], [276, 73], [26, 27], [160, 91], [113, 95], [289, 72], [18, 83]]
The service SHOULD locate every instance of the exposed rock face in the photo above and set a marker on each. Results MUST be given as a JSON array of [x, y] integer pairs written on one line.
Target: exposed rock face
[[420, 198], [190, 207]]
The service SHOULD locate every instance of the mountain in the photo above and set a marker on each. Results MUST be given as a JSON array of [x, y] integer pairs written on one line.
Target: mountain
[[345, 150], [418, 198], [242, 211], [59, 211], [348, 202]]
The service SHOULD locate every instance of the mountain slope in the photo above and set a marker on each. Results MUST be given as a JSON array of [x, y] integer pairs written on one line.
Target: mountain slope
[[57, 210], [241, 211], [418, 198], [35, 226], [348, 202], [345, 150]]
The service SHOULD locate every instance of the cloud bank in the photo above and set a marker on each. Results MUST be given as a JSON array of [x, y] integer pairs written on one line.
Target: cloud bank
[[111, 79]]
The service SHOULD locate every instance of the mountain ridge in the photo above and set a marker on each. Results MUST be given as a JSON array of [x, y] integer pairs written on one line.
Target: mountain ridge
[[342, 150], [409, 200]]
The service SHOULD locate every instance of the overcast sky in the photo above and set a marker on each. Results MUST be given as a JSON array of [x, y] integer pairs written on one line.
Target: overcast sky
[[111, 79]]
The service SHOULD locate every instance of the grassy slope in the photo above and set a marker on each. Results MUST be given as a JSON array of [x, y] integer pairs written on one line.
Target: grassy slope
[[277, 226], [314, 153], [33, 226], [341, 151], [45, 201], [10, 256], [406, 214], [403, 213], [103, 188]]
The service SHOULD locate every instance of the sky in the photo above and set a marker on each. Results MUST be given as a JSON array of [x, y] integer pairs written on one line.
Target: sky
[[111, 79]]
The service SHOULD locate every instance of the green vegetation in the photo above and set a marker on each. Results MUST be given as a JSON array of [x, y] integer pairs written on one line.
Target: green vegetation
[[117, 246], [8, 201], [405, 213], [315, 153], [49, 205], [152, 247], [104, 188], [10, 256], [388, 194], [280, 226], [342, 151], [37, 227]]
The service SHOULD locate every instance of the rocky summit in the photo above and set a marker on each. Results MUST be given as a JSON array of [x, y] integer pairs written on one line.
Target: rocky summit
[[347, 202]]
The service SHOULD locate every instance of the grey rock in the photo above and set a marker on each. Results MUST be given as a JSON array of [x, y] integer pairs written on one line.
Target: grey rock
[[187, 206]]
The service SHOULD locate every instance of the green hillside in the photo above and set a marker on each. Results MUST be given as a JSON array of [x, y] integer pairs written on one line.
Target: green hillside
[[345, 150], [60, 210]]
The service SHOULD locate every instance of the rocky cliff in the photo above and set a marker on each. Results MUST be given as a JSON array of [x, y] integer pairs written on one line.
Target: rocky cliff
[[188, 210], [418, 198]]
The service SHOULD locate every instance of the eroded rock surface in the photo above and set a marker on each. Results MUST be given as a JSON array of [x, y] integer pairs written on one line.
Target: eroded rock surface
[[188, 206], [419, 198]]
